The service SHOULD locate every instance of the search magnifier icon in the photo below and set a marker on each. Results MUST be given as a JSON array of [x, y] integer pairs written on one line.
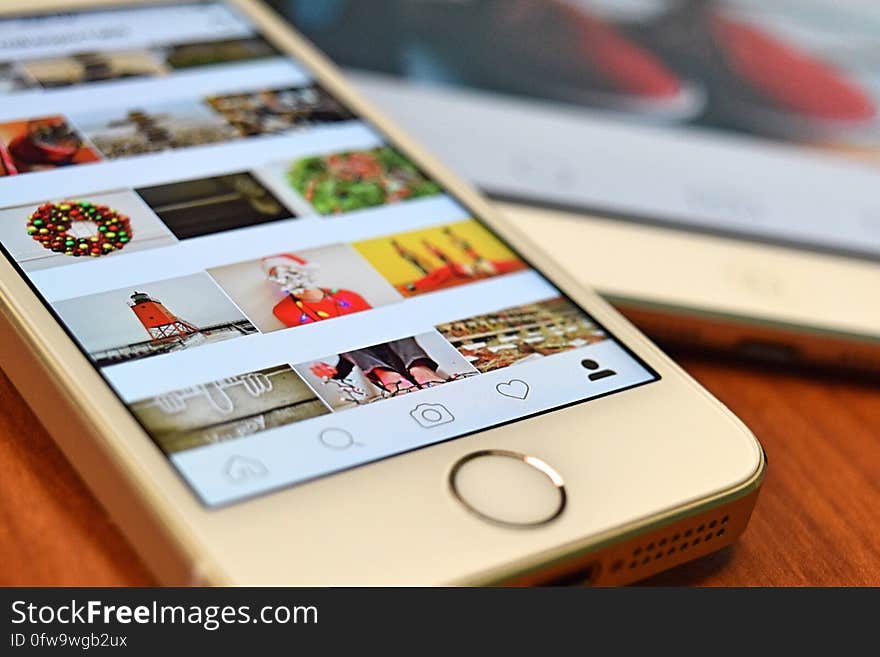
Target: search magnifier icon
[[337, 439]]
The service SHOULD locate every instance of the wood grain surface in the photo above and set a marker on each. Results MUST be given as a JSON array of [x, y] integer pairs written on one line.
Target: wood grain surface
[[817, 521]]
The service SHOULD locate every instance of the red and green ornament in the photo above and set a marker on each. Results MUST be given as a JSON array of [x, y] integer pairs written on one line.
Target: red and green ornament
[[50, 225]]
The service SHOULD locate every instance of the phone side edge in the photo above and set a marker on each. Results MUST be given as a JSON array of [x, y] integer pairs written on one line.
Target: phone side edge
[[646, 547], [27, 366]]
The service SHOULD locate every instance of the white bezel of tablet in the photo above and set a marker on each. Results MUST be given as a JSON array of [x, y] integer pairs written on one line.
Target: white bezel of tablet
[[645, 261]]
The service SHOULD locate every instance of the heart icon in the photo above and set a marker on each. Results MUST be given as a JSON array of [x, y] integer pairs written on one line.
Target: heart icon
[[515, 388]]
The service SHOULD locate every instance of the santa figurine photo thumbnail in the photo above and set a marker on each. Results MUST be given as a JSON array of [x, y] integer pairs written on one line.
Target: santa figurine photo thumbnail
[[306, 301]]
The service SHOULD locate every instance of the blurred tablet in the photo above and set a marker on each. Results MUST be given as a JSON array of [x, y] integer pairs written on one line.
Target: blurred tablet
[[711, 165]]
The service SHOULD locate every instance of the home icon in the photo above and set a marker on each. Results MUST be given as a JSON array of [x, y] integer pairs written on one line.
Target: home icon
[[239, 469]]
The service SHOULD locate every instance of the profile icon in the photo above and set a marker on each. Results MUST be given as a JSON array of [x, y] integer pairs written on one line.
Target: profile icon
[[595, 370]]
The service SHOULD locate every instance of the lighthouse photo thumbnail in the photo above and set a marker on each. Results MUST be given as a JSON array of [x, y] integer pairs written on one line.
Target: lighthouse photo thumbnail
[[152, 319]]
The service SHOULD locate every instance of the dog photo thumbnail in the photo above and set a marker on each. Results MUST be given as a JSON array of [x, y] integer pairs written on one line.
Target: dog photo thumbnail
[[233, 407]]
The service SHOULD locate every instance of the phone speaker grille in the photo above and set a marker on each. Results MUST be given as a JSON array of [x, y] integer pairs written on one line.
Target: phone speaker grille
[[644, 554], [675, 544]]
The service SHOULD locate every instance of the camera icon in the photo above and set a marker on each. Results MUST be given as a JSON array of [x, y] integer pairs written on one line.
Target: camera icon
[[431, 415]]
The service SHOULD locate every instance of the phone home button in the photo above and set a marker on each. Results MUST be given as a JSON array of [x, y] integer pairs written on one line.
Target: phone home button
[[508, 488]]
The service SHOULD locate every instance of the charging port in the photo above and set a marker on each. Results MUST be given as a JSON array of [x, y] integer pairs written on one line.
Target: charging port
[[583, 576]]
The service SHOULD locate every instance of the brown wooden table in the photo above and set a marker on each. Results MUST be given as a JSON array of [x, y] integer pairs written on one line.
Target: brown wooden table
[[817, 521]]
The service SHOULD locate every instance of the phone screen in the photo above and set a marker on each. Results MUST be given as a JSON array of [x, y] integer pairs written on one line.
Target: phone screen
[[275, 290]]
